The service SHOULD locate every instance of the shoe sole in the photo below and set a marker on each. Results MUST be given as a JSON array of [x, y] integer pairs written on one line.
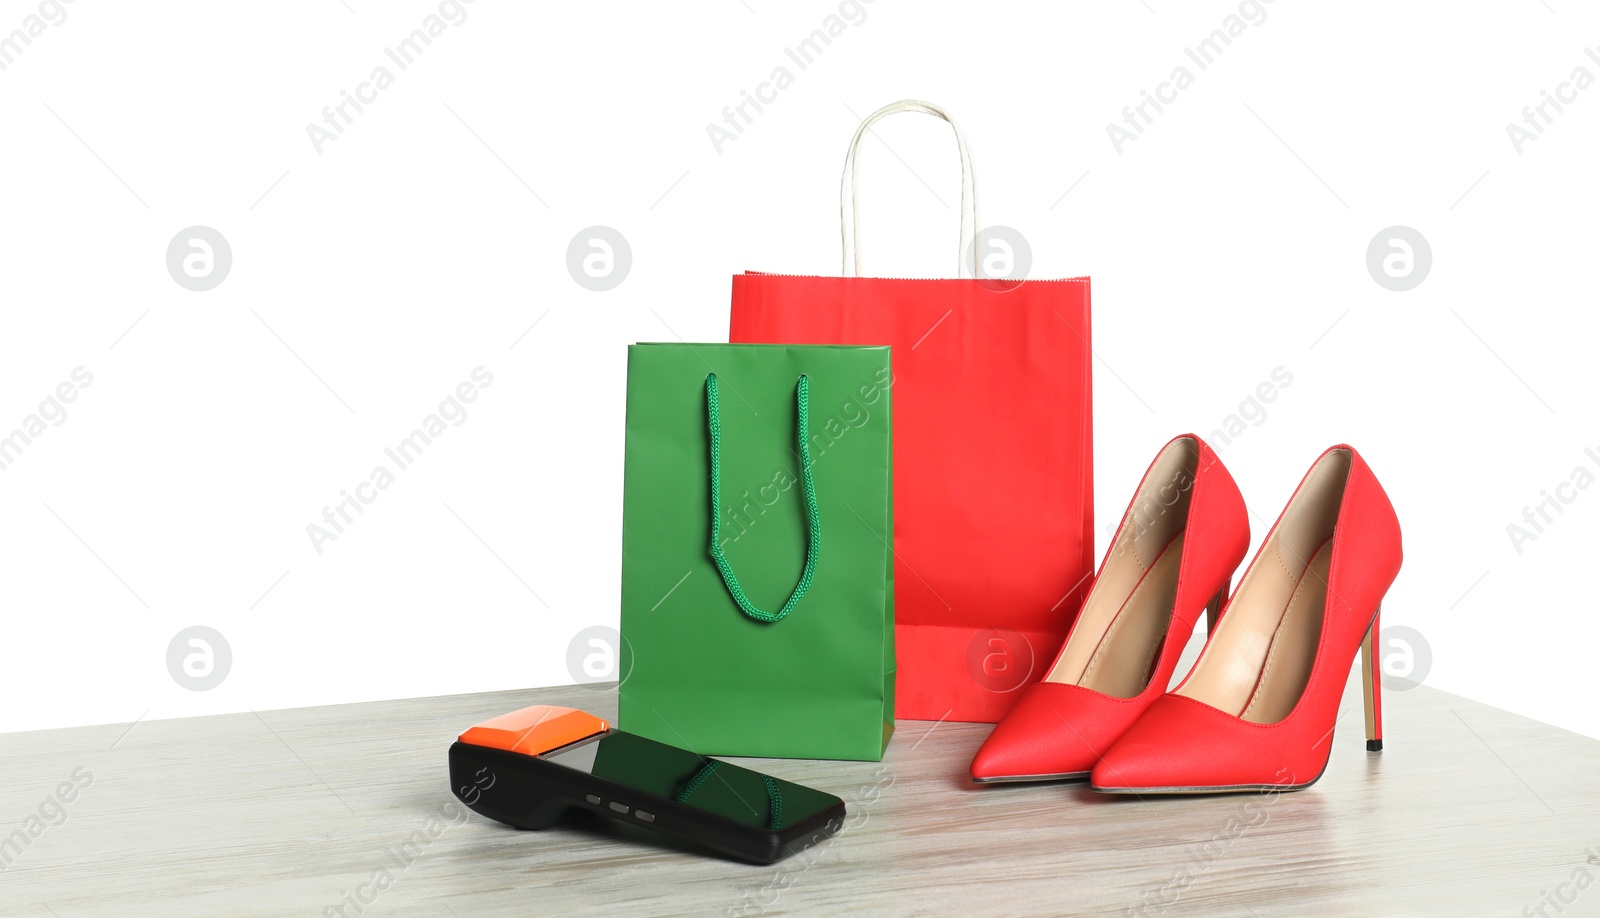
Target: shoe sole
[[1195, 791], [1028, 779]]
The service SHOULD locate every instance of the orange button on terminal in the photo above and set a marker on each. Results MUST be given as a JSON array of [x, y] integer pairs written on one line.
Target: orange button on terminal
[[535, 730]]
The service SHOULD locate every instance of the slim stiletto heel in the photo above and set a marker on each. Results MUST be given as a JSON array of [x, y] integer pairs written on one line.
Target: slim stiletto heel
[[1214, 608], [1371, 685]]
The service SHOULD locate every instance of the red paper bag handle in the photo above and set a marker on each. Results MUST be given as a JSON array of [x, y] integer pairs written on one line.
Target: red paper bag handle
[[848, 228]]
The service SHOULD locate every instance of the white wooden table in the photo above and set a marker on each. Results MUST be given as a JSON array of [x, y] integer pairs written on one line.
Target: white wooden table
[[1468, 811]]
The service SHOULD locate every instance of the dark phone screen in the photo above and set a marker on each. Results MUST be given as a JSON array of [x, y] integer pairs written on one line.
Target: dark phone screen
[[739, 794]]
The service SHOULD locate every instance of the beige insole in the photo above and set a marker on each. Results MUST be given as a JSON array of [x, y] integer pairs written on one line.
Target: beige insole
[[1294, 645], [1260, 658], [1114, 645]]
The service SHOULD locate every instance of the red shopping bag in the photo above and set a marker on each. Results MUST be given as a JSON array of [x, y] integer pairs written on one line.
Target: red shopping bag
[[993, 453]]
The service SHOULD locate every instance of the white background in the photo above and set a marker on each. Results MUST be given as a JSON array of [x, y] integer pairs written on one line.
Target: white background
[[370, 279]]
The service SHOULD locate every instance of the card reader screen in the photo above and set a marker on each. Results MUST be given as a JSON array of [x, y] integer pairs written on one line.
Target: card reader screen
[[736, 793]]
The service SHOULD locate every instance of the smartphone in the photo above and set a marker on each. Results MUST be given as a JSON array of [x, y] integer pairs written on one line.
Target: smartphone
[[526, 767]]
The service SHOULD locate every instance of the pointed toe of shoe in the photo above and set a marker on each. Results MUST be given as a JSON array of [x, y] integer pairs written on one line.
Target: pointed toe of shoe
[[1003, 759], [1055, 732], [1169, 749], [1129, 769], [1001, 763], [1182, 746]]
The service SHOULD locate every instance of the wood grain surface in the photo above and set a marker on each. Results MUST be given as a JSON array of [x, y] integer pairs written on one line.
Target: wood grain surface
[[1469, 811]]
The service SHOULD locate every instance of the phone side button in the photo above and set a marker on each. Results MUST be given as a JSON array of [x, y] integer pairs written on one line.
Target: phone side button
[[593, 798], [647, 817], [619, 807]]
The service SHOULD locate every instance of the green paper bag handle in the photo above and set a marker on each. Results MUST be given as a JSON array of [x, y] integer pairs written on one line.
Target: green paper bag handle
[[774, 795], [813, 520]]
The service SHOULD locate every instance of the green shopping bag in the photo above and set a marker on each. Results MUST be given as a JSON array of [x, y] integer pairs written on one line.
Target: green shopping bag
[[764, 627]]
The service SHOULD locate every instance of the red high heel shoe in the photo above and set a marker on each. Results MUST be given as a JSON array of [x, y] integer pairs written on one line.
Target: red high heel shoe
[[1183, 535], [1257, 712]]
